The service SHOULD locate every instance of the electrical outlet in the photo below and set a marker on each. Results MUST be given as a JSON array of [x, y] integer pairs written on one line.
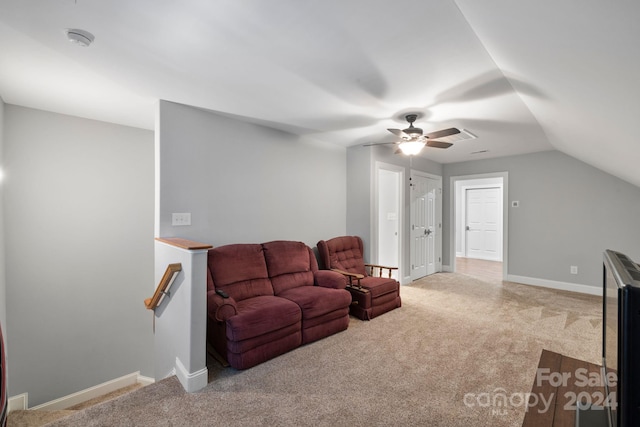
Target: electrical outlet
[[574, 269], [515, 204], [180, 219]]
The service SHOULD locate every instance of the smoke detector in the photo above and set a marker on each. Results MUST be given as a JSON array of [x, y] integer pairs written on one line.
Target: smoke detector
[[80, 37]]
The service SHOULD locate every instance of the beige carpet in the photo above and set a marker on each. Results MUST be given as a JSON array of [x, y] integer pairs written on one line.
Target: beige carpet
[[457, 341], [37, 418]]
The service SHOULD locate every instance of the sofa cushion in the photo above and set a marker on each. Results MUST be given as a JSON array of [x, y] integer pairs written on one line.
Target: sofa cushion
[[379, 285], [290, 264], [240, 270], [316, 301], [261, 315]]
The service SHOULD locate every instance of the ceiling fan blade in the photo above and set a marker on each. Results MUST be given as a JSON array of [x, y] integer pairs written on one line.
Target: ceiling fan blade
[[378, 143], [397, 132], [438, 144], [442, 133]]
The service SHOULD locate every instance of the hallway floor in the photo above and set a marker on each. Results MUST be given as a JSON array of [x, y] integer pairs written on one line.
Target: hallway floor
[[479, 267]]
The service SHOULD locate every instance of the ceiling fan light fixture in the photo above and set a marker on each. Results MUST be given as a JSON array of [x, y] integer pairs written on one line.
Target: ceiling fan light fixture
[[411, 148]]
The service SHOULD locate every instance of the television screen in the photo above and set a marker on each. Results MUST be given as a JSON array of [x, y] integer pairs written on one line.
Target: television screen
[[610, 336], [621, 338]]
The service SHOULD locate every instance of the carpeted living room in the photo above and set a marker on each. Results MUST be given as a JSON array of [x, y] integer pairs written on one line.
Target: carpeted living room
[[458, 342], [138, 138]]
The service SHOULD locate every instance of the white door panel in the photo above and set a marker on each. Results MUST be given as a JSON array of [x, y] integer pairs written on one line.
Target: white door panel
[[484, 223], [424, 226], [418, 227]]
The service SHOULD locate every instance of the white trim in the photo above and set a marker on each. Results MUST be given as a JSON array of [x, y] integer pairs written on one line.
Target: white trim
[[505, 216], [19, 402], [145, 381], [552, 284], [405, 280], [156, 174], [89, 393], [191, 381], [447, 269]]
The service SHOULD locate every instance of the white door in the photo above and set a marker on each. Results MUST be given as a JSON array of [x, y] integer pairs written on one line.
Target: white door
[[423, 226], [484, 223], [389, 185]]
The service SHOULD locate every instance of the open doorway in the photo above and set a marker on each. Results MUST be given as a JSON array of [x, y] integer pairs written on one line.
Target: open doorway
[[479, 213], [389, 214]]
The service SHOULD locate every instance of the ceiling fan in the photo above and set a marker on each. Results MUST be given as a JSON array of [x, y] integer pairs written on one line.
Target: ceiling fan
[[413, 140]]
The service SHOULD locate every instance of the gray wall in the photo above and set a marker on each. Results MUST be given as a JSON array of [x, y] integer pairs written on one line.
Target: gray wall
[[360, 178], [245, 183], [3, 276], [569, 214], [359, 193], [79, 238]]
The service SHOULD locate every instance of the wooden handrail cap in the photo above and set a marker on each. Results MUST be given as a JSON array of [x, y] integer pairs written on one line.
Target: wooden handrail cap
[[184, 243]]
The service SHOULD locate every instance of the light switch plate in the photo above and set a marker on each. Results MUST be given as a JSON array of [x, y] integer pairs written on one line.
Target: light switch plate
[[180, 219]]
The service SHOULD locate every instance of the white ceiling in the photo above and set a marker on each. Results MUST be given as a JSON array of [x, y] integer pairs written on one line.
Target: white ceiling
[[524, 76]]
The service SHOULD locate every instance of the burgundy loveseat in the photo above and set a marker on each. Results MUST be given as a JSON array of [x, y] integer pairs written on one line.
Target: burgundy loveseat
[[266, 299]]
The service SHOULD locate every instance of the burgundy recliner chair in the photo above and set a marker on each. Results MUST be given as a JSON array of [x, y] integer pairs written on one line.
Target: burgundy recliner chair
[[371, 295]]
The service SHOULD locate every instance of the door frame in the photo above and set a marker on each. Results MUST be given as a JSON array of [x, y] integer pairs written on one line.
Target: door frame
[[505, 216], [375, 220], [438, 219]]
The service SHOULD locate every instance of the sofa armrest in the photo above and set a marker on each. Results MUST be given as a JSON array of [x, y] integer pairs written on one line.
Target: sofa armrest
[[221, 308], [330, 279], [350, 276], [373, 268]]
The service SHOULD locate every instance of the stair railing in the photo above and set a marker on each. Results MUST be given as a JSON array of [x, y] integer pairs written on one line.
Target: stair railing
[[165, 283]]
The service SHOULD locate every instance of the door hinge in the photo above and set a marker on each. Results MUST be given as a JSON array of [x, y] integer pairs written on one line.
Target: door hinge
[[413, 267], [439, 259]]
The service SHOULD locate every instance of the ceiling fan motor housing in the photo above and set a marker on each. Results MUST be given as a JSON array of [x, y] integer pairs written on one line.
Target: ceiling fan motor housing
[[413, 132]]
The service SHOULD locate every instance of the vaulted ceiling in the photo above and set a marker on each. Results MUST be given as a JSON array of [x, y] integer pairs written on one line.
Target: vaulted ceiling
[[523, 76]]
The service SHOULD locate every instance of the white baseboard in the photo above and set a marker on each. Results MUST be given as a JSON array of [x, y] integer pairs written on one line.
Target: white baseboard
[[145, 381], [544, 283], [89, 393], [563, 286], [19, 402], [191, 381]]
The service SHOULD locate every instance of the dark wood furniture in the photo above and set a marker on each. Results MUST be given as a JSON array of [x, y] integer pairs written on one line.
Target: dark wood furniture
[[551, 368]]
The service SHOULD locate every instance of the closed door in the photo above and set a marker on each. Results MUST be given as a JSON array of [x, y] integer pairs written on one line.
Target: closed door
[[423, 226], [484, 223]]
